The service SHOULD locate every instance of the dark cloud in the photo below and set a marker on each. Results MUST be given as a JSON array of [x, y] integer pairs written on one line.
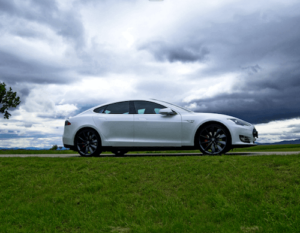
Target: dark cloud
[[7, 6], [288, 137], [252, 69], [166, 51], [280, 136], [96, 2], [24, 91], [294, 126], [262, 98], [64, 23], [250, 40], [256, 105], [7, 136], [265, 54], [16, 66], [295, 129], [15, 69], [262, 47]]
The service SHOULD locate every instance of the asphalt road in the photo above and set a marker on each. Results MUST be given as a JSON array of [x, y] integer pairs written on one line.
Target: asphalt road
[[151, 154]]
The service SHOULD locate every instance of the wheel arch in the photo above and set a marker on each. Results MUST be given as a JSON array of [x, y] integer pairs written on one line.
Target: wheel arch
[[87, 127], [208, 123]]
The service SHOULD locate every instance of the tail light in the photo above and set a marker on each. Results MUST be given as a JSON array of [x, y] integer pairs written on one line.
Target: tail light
[[67, 123]]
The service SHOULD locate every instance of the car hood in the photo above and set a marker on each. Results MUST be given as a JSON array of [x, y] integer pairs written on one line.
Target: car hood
[[214, 115], [217, 116]]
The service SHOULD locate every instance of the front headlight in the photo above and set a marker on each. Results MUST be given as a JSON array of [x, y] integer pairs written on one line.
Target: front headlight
[[239, 122]]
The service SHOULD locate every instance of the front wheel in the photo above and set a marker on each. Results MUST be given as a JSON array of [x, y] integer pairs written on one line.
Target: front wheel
[[88, 143], [214, 139]]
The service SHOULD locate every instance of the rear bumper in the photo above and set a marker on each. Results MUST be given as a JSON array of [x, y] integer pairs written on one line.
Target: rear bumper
[[68, 136]]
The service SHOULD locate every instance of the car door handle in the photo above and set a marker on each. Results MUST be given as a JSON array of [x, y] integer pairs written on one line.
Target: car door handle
[[142, 119]]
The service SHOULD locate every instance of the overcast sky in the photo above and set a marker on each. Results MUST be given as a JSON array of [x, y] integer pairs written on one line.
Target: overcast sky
[[240, 58]]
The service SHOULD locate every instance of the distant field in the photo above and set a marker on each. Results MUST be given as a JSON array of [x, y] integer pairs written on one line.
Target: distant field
[[151, 194], [270, 148]]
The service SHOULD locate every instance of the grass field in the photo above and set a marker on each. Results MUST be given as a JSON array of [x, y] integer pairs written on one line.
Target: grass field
[[151, 194], [37, 152], [261, 148]]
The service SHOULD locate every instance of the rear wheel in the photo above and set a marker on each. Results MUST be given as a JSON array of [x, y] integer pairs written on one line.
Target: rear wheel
[[214, 139], [88, 143]]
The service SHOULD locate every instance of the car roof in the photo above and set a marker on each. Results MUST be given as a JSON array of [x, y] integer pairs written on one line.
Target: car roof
[[124, 100], [135, 99]]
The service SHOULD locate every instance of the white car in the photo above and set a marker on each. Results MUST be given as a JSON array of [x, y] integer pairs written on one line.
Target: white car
[[150, 124]]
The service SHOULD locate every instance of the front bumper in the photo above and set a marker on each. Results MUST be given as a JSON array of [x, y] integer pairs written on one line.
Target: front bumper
[[255, 133], [243, 136]]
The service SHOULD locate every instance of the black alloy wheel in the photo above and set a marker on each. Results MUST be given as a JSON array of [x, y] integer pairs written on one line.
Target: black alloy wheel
[[119, 152], [214, 139], [88, 143]]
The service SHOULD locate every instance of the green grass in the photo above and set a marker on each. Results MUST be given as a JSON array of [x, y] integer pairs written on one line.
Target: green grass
[[150, 194], [267, 148], [37, 152], [74, 152], [271, 148]]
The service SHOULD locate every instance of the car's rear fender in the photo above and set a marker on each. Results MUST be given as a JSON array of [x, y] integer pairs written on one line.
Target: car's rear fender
[[76, 126], [87, 127]]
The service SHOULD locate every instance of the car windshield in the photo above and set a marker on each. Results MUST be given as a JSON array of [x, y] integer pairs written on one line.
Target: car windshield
[[185, 109]]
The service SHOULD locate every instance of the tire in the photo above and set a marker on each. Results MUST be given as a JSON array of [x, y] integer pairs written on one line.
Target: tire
[[226, 151], [119, 152], [214, 139], [88, 143]]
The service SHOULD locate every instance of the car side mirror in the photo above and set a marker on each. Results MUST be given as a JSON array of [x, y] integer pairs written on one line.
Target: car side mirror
[[166, 111]]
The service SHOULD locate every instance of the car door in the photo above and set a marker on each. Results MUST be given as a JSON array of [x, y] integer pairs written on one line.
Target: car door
[[153, 129], [115, 123]]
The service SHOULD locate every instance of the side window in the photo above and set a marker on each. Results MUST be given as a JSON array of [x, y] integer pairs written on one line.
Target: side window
[[146, 107], [117, 108], [100, 110]]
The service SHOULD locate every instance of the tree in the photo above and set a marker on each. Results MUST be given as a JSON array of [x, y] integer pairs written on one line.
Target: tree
[[54, 147], [8, 99]]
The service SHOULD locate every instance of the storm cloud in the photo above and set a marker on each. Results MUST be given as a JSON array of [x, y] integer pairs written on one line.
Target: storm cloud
[[46, 12], [172, 53], [260, 49]]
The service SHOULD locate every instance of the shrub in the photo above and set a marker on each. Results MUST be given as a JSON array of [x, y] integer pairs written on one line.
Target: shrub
[[54, 147]]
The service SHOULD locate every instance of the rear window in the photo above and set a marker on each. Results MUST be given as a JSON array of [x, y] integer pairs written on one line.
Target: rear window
[[117, 108], [100, 110]]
